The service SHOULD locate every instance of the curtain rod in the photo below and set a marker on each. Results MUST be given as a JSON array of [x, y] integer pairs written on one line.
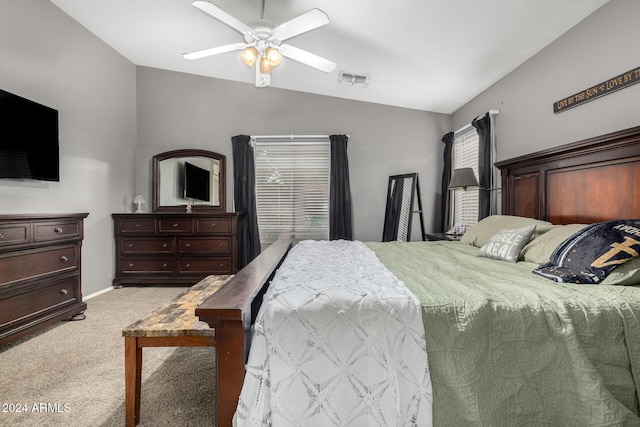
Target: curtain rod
[[291, 136], [469, 126]]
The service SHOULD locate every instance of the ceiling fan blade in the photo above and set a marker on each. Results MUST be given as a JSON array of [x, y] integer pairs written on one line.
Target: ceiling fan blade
[[306, 22], [214, 51], [222, 16], [307, 58]]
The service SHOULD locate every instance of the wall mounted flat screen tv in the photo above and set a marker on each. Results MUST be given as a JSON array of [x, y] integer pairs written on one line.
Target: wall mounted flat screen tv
[[28, 139], [197, 183]]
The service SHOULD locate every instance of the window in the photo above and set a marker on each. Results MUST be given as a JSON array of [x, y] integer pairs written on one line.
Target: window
[[292, 189], [465, 204]]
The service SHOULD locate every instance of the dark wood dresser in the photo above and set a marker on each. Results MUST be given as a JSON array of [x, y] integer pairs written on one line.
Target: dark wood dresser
[[175, 248], [39, 271]]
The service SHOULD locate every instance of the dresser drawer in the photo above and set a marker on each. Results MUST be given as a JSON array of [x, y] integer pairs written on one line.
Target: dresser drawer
[[220, 265], [135, 225], [175, 225], [14, 234], [141, 245], [147, 265], [205, 245], [214, 225], [26, 302], [55, 230], [33, 263]]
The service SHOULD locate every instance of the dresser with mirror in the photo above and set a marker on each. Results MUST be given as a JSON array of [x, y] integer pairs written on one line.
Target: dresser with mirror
[[188, 235]]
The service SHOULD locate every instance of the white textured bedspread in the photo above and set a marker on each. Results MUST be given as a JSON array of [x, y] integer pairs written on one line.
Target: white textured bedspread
[[337, 343]]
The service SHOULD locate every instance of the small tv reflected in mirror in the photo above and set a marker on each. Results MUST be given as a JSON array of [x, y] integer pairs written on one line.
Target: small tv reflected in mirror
[[197, 183]]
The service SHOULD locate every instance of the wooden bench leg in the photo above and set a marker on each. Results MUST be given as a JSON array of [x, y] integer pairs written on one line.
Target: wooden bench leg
[[132, 379], [230, 370]]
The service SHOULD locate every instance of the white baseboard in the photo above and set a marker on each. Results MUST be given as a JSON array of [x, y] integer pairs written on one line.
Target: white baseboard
[[95, 294]]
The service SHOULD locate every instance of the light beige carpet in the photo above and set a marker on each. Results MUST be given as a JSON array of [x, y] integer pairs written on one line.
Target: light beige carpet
[[72, 374]]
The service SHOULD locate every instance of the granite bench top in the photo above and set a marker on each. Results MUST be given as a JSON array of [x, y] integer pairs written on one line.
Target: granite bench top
[[177, 318]]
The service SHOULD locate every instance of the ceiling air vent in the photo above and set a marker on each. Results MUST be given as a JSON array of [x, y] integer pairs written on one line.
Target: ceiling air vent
[[354, 79]]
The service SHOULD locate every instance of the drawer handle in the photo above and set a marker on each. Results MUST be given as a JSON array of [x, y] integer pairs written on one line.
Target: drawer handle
[[137, 225], [64, 258], [221, 265], [58, 230], [63, 291], [187, 265], [186, 245], [1, 236], [130, 245], [213, 225], [221, 245], [164, 245], [130, 265], [164, 265], [175, 225]]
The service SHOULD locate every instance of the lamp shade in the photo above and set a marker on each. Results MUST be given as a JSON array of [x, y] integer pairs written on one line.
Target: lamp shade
[[265, 66], [249, 56], [463, 178], [273, 56]]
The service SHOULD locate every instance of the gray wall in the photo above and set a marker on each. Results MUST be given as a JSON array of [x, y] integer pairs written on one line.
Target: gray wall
[[602, 46], [47, 57], [178, 110], [107, 140]]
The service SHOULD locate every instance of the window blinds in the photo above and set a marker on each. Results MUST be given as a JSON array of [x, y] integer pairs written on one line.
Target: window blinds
[[465, 155], [292, 189]]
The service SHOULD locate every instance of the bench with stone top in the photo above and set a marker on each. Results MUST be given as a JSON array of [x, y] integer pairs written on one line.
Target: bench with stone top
[[172, 325]]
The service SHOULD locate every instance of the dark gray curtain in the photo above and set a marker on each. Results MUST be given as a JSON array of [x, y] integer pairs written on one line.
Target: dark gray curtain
[[445, 203], [392, 212], [483, 126], [244, 196], [340, 215]]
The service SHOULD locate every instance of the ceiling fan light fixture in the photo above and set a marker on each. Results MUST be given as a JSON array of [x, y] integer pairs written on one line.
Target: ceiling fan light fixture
[[265, 66], [273, 56], [249, 56], [263, 41]]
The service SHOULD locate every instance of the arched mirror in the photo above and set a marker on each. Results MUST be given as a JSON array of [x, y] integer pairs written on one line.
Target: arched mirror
[[194, 178]]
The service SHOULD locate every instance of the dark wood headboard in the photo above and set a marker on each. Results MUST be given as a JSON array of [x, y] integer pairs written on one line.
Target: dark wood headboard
[[597, 179]]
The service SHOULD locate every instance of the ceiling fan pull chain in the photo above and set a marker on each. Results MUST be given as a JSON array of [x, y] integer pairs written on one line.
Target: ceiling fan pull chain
[[262, 10]]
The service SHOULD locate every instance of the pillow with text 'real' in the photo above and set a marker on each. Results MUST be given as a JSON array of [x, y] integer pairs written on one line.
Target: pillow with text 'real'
[[507, 244]]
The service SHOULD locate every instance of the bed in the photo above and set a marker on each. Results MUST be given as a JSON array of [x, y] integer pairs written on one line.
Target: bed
[[504, 346]]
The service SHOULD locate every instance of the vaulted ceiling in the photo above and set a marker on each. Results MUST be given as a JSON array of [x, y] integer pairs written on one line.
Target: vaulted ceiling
[[432, 55]]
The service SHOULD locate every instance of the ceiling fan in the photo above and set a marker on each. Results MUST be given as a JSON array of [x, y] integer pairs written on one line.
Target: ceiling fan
[[263, 41]]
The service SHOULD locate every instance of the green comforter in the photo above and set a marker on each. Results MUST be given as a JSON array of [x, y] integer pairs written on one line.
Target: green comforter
[[508, 348]]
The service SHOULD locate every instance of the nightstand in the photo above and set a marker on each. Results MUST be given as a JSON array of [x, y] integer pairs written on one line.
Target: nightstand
[[442, 236]]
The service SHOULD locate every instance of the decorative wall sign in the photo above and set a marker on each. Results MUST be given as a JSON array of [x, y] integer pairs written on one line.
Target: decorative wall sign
[[605, 88]]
